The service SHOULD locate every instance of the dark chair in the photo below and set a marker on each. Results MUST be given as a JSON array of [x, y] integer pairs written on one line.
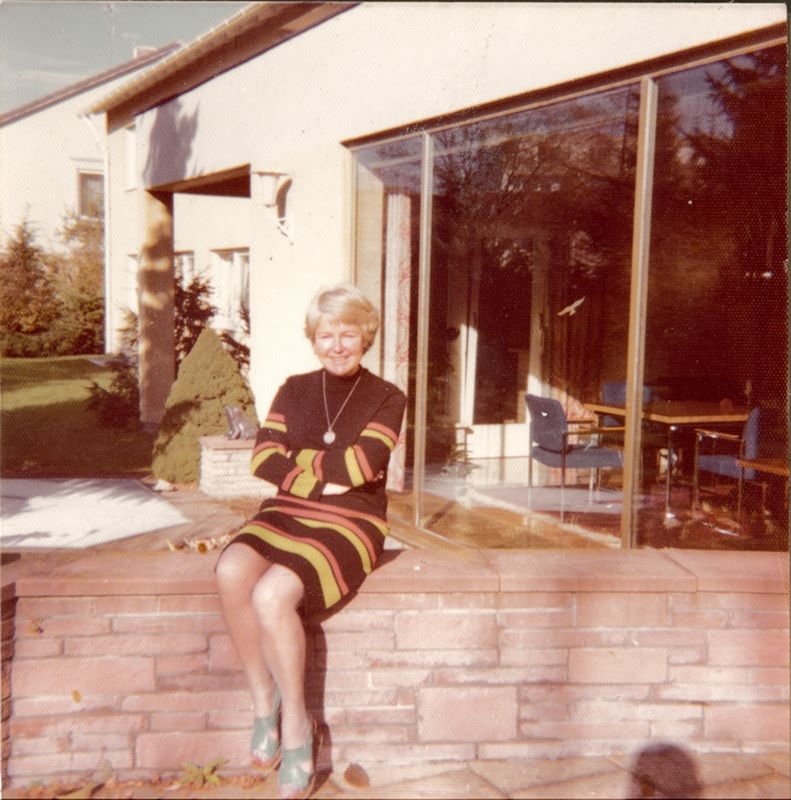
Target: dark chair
[[722, 460], [549, 443]]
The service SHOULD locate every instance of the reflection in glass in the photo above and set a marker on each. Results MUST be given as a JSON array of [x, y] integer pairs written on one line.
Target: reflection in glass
[[718, 291], [529, 273]]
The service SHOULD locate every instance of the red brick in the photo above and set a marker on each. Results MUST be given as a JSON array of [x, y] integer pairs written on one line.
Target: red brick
[[536, 618], [624, 610], [398, 659], [190, 604], [64, 704], [621, 710], [35, 607], [728, 693], [624, 731], [200, 682], [38, 648], [178, 722], [761, 648], [710, 675], [371, 718], [101, 676], [470, 714], [167, 751], [378, 640], [146, 644], [231, 719], [445, 630], [393, 602], [420, 752], [514, 600], [527, 656], [701, 619], [167, 664], [55, 627], [473, 600], [679, 730], [539, 638], [356, 621], [40, 766], [760, 619], [88, 723], [99, 742], [114, 606], [638, 665], [222, 655], [166, 625], [186, 701], [578, 692], [769, 675], [40, 745], [749, 723], [358, 699], [537, 712], [729, 601]]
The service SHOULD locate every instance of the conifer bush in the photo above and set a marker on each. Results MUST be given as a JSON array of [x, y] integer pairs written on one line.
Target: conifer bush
[[208, 380]]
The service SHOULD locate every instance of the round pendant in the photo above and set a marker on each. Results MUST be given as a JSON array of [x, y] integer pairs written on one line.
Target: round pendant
[[329, 437]]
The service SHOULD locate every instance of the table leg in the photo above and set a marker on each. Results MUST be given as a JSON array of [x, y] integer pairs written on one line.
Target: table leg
[[669, 478]]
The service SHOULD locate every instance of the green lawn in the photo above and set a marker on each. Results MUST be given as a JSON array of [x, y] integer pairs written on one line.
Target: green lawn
[[47, 430]]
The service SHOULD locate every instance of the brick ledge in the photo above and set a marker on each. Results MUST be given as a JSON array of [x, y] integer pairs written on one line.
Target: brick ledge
[[416, 571]]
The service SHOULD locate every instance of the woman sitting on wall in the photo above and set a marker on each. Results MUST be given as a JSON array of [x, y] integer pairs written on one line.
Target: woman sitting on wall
[[325, 444]]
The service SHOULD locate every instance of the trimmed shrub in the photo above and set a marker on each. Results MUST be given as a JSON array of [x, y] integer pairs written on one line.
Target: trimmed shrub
[[208, 380]]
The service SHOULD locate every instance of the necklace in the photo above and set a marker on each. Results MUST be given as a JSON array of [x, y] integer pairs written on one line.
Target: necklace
[[329, 436]]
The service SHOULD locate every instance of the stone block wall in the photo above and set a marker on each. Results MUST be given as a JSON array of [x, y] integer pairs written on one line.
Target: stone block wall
[[225, 469], [121, 661]]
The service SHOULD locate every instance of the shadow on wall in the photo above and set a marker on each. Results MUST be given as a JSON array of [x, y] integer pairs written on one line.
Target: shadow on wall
[[663, 771], [170, 145]]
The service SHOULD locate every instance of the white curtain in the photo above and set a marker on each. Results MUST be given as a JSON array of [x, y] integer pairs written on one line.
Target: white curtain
[[398, 267]]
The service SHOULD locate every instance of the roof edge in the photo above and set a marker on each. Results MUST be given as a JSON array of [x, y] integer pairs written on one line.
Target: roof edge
[[245, 35], [140, 62]]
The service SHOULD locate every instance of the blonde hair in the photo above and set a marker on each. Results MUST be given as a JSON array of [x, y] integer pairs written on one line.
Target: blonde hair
[[343, 303]]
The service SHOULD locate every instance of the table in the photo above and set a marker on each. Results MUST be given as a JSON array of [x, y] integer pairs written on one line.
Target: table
[[675, 414]]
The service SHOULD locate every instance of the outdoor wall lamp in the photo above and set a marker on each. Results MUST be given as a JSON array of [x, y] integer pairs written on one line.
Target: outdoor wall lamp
[[267, 187], [270, 189]]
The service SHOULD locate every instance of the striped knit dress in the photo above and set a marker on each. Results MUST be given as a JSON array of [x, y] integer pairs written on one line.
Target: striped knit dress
[[331, 542]]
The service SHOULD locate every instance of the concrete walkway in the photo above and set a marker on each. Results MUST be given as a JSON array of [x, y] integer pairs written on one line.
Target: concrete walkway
[[705, 776], [675, 773]]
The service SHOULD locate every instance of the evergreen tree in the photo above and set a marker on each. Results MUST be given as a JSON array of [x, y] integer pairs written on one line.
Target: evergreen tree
[[207, 381]]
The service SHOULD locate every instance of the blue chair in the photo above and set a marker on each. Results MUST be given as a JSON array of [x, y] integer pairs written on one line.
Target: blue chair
[[549, 443], [735, 446]]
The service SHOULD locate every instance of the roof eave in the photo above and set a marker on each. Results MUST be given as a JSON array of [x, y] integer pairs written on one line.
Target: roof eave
[[249, 33]]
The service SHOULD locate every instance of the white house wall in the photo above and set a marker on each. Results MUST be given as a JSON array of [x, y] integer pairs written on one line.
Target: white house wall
[[41, 156], [372, 68]]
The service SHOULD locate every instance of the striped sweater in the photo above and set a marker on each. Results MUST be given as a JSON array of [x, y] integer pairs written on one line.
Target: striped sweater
[[290, 451]]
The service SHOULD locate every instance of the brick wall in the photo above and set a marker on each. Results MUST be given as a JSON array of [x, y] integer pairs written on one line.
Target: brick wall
[[122, 662], [7, 652], [225, 468]]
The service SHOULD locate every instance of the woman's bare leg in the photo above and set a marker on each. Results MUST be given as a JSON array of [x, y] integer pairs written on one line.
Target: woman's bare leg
[[238, 571], [276, 598]]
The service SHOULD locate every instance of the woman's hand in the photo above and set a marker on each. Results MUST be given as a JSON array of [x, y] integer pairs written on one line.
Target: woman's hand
[[335, 488]]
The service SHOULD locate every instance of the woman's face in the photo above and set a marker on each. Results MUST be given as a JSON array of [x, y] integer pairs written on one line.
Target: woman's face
[[339, 347]]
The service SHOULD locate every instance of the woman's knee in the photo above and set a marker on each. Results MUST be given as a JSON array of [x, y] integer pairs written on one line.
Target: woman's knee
[[279, 591], [238, 568]]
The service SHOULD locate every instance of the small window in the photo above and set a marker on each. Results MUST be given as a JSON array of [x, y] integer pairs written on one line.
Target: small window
[[91, 194], [230, 288]]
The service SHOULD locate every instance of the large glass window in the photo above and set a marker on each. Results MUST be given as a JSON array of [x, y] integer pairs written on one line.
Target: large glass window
[[509, 240], [718, 291]]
